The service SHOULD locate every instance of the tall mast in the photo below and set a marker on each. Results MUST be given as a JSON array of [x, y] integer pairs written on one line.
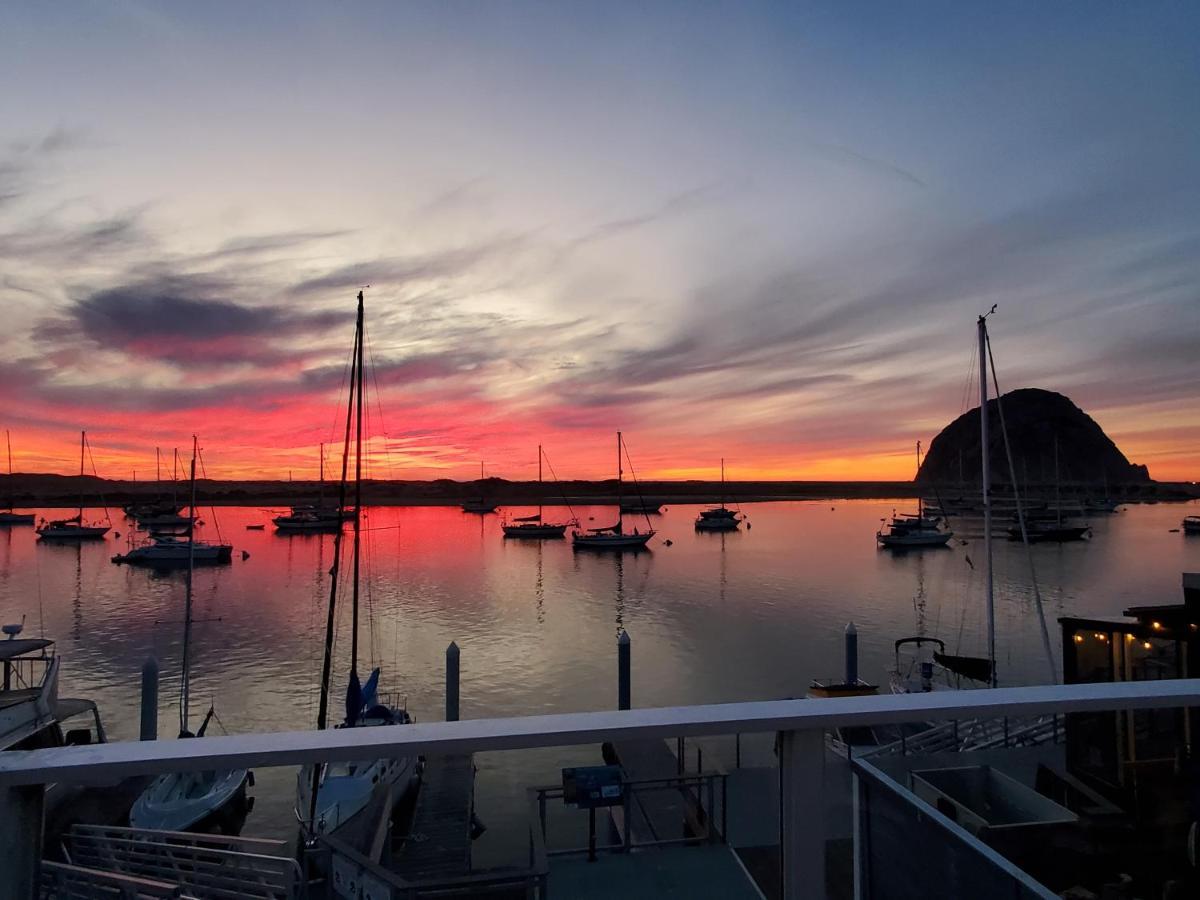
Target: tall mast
[[184, 691], [917, 482], [175, 478], [358, 489], [1057, 492], [620, 521], [539, 483], [987, 496], [82, 442], [157, 475], [12, 490], [321, 483], [334, 571], [722, 482]]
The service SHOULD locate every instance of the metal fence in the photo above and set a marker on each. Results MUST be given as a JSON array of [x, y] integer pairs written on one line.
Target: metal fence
[[801, 725]]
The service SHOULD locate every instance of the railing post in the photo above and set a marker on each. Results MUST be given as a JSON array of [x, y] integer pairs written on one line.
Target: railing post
[[21, 812], [802, 814]]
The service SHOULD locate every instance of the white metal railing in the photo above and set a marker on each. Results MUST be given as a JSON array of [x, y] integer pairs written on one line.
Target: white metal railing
[[801, 724]]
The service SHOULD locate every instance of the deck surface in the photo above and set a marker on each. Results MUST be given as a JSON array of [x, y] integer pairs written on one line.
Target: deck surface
[[708, 870], [439, 845]]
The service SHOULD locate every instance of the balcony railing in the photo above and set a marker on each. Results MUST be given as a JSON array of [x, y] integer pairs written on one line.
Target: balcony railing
[[801, 725]]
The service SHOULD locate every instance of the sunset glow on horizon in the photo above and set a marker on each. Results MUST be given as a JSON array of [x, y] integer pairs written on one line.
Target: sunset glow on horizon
[[760, 232]]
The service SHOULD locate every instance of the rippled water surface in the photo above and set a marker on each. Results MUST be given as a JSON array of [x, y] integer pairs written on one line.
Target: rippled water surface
[[750, 615]]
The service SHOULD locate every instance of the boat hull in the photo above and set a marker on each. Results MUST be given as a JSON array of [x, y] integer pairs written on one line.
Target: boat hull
[[585, 541], [72, 532], [158, 556], [913, 540], [12, 518], [717, 524], [207, 802], [534, 532], [1052, 534]]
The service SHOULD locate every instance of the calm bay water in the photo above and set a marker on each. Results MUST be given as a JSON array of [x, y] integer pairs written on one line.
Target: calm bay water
[[713, 618]]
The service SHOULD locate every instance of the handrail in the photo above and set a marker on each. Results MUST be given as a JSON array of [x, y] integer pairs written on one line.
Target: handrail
[[115, 760]]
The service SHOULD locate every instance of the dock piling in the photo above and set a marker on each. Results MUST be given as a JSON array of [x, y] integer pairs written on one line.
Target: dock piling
[[149, 723], [623, 677], [452, 664], [851, 654]]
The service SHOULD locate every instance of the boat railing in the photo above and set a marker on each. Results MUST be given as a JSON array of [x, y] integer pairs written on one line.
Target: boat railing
[[204, 865], [800, 726], [351, 874], [704, 795], [28, 672]]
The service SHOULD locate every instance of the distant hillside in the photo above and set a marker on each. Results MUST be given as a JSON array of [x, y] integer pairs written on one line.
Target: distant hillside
[[1036, 419]]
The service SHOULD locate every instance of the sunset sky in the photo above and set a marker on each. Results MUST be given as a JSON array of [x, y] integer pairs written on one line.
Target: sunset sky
[[757, 231]]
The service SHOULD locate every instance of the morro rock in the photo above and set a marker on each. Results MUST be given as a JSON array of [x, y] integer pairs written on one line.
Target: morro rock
[[1036, 420]]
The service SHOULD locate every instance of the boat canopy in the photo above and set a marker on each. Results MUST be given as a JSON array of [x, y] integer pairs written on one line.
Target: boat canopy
[[977, 668], [615, 529], [536, 517], [20, 647]]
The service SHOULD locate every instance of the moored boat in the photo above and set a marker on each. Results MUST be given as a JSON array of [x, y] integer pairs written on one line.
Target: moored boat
[[74, 528], [8, 515], [1191, 524], [535, 526], [199, 800], [346, 799], [718, 518], [613, 537], [913, 532]]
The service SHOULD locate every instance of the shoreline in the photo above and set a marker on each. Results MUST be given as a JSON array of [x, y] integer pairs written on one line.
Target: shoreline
[[64, 490]]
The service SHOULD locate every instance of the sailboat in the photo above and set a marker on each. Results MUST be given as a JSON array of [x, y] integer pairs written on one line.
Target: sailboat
[[317, 516], [160, 512], [718, 518], [74, 528], [167, 550], [8, 516], [214, 800], [340, 798], [481, 504], [614, 537], [534, 526], [908, 532], [917, 675], [1054, 529]]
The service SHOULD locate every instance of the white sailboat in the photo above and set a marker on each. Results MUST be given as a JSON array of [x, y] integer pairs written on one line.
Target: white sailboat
[[193, 801], [719, 518], [8, 515], [74, 528], [930, 653], [535, 526], [910, 532], [344, 798], [614, 537]]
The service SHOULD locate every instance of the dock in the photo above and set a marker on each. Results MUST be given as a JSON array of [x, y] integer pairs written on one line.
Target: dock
[[438, 844]]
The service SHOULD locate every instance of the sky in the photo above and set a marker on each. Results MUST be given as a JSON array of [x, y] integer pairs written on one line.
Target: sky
[[754, 231]]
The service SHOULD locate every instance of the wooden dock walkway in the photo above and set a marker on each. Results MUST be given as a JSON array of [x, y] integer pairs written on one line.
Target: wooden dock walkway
[[655, 815], [438, 844]]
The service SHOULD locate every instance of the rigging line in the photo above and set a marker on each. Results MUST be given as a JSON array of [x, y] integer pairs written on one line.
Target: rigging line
[[636, 483], [969, 381], [379, 406], [1037, 593], [99, 490], [554, 475], [211, 506]]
